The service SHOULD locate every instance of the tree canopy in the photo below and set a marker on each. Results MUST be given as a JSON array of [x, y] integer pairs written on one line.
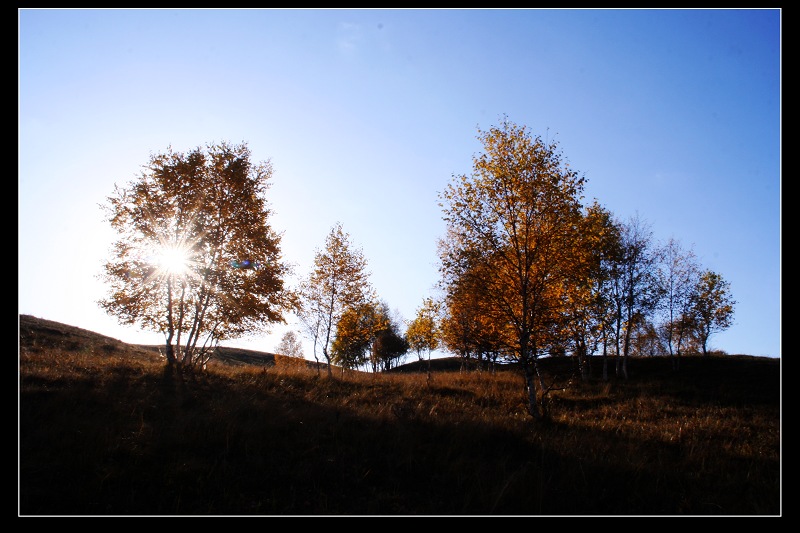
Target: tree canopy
[[513, 228], [712, 306], [196, 257]]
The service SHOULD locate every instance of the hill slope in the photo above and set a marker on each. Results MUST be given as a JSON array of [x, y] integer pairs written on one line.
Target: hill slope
[[107, 429]]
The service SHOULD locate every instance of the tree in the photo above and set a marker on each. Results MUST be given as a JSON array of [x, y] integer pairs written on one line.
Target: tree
[[422, 333], [713, 307], [290, 345], [678, 277], [637, 291], [518, 215], [589, 299], [463, 303], [368, 334], [470, 327], [311, 316], [645, 340], [338, 281], [355, 334], [389, 344], [460, 326], [196, 258]]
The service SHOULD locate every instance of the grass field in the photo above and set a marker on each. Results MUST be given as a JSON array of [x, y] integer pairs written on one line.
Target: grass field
[[106, 429]]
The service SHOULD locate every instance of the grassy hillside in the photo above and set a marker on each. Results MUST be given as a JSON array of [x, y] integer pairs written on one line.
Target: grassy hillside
[[105, 429]]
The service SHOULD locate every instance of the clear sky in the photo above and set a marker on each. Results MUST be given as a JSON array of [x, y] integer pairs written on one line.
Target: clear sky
[[367, 114]]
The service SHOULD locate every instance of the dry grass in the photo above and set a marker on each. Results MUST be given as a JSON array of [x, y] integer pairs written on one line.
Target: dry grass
[[108, 431]]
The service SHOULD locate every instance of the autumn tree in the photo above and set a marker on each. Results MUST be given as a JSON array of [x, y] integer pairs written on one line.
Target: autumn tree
[[422, 333], [338, 280], [713, 307], [468, 324], [470, 327], [355, 334], [196, 258], [368, 334], [518, 214], [589, 301], [460, 326]]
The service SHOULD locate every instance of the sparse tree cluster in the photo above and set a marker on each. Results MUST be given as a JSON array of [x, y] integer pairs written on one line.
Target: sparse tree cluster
[[341, 312], [527, 271], [337, 285]]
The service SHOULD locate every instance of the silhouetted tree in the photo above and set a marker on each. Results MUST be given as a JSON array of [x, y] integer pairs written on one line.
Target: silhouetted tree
[[196, 258], [637, 289], [389, 345], [713, 307]]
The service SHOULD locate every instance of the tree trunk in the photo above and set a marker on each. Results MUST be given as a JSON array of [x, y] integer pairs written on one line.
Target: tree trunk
[[428, 378], [169, 351], [530, 388]]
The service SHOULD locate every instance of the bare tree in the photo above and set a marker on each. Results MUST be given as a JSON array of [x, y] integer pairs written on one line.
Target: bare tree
[[678, 276]]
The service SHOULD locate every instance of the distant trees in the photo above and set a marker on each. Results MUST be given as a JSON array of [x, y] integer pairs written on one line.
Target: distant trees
[[367, 334], [290, 345], [338, 282], [196, 258], [424, 330]]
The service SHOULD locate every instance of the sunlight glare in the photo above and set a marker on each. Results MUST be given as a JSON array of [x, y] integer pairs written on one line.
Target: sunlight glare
[[173, 260]]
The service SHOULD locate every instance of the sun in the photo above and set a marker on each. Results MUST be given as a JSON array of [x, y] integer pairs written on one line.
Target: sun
[[173, 260]]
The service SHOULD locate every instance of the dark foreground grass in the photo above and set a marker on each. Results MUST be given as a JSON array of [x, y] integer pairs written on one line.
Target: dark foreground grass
[[106, 429]]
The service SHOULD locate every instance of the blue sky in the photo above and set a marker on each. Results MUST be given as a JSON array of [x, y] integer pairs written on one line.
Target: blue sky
[[367, 114]]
